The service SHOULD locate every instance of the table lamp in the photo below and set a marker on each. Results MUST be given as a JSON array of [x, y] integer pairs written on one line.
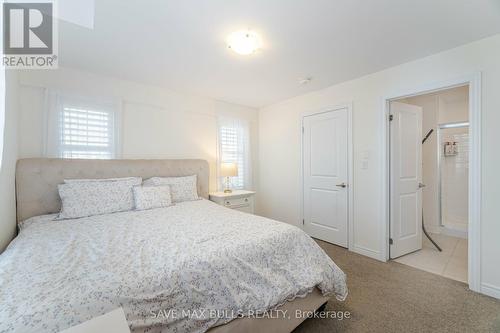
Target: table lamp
[[228, 170]]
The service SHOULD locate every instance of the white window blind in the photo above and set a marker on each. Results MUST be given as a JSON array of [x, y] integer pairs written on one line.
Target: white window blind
[[84, 129], [234, 147]]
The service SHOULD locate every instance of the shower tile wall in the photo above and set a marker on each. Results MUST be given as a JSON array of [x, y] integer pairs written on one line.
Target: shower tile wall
[[454, 179]]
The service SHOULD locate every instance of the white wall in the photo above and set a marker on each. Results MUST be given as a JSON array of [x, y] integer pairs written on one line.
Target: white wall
[[446, 106], [280, 136], [7, 171], [156, 123]]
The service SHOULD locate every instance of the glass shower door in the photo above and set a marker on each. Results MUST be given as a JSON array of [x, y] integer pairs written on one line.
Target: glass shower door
[[454, 176]]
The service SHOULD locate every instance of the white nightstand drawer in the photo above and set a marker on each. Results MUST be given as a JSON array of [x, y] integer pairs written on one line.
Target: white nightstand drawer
[[245, 209], [239, 200]]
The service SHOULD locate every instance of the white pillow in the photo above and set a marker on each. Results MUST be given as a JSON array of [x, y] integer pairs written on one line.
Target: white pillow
[[88, 198], [101, 180], [181, 188], [149, 197]]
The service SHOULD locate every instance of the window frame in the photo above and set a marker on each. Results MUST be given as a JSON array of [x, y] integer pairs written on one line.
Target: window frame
[[55, 104], [242, 127]]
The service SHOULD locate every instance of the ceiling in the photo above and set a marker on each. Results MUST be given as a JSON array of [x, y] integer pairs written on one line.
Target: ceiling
[[180, 45]]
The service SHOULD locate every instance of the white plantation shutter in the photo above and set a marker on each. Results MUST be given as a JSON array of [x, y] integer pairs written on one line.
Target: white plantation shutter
[[83, 129], [234, 147]]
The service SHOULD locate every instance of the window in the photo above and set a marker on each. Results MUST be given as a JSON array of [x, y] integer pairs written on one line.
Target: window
[[234, 147], [83, 129]]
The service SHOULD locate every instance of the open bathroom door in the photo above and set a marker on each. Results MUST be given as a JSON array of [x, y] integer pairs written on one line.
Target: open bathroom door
[[406, 179]]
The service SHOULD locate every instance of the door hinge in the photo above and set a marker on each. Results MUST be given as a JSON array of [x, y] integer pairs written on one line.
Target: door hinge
[[303, 222], [391, 117], [391, 241]]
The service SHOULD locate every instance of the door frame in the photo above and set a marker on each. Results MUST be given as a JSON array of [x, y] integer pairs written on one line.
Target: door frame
[[474, 195], [350, 198]]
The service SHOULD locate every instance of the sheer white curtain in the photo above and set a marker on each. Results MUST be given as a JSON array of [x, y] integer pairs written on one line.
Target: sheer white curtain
[[2, 111], [233, 138]]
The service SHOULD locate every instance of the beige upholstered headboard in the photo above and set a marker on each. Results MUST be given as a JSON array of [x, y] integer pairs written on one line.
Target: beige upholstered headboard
[[37, 178]]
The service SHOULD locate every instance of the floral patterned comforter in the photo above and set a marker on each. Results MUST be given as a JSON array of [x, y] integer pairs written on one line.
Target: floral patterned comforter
[[191, 257]]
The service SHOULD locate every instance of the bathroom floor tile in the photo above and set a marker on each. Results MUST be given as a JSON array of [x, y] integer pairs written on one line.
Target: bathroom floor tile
[[426, 259], [451, 262], [461, 251], [446, 243], [456, 269]]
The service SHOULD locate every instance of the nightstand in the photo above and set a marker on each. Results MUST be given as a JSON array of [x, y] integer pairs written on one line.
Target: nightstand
[[239, 199]]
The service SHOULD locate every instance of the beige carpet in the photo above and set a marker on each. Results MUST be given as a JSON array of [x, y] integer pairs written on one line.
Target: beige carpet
[[392, 297]]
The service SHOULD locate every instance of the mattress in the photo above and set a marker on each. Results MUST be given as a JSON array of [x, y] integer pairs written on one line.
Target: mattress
[[185, 268]]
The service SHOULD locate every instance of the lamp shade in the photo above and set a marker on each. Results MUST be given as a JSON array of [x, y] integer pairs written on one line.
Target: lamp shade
[[228, 169]]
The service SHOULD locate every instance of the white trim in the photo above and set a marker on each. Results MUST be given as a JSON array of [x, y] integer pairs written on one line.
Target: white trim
[[365, 251], [451, 232], [474, 255], [350, 170], [350, 204], [385, 177], [474, 83], [490, 290]]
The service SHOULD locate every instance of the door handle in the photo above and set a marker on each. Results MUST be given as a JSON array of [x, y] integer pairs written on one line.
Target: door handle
[[420, 185], [343, 185]]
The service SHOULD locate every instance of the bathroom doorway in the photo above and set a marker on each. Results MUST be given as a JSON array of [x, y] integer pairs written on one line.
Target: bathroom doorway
[[429, 145]]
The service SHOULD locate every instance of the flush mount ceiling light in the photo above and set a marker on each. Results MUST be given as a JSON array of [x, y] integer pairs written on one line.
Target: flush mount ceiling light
[[244, 42], [305, 80]]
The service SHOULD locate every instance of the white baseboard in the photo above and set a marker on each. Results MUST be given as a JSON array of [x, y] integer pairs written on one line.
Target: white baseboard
[[433, 229], [490, 290], [367, 252], [454, 233]]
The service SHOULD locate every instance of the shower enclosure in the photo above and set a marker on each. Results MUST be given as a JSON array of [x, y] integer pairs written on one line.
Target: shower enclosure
[[453, 166]]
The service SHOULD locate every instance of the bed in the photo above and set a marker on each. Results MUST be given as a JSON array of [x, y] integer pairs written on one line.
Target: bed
[[192, 267]]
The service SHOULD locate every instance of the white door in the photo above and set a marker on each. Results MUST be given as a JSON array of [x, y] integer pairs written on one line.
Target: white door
[[406, 178], [325, 165]]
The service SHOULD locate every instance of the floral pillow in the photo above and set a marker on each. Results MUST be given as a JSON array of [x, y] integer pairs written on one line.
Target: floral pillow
[[88, 198], [181, 188], [149, 197], [80, 180]]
